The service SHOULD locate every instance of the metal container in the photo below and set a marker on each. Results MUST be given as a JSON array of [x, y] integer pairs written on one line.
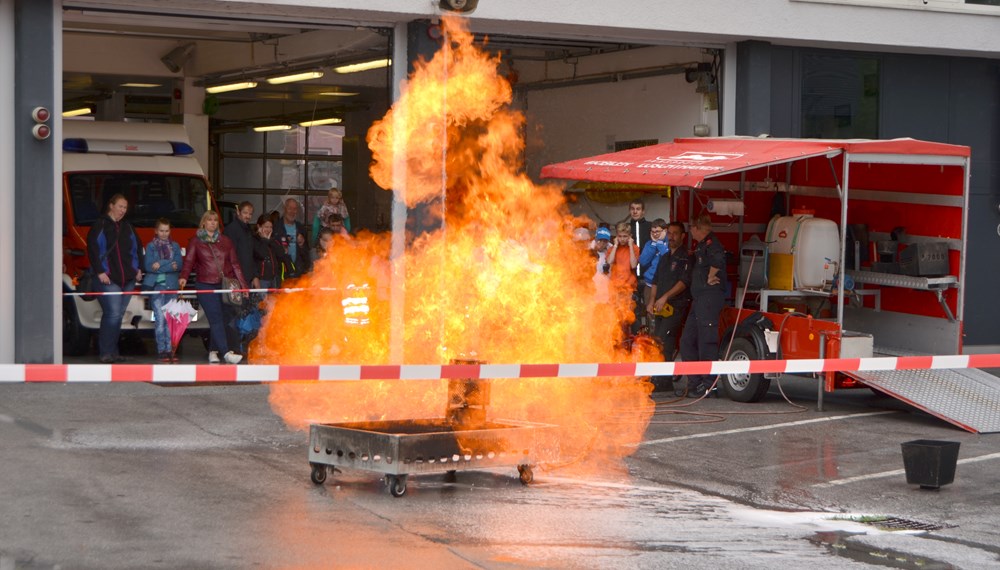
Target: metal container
[[463, 439], [399, 448]]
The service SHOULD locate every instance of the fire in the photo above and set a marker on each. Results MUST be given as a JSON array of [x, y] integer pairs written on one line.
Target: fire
[[499, 278]]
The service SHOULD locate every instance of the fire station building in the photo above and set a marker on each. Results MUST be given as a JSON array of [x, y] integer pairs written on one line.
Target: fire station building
[[277, 96]]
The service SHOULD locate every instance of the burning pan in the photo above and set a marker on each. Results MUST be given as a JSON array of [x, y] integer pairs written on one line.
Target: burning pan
[[399, 448]]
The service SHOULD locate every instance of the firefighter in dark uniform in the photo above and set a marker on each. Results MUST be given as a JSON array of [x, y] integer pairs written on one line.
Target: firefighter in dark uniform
[[700, 340], [671, 288]]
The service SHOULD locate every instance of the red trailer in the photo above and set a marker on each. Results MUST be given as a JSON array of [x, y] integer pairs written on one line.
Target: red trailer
[[844, 249]]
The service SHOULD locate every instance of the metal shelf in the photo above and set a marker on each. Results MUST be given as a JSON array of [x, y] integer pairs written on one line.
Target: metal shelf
[[904, 281], [935, 284]]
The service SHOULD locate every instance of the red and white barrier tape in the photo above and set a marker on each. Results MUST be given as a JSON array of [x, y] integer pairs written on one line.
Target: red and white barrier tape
[[174, 373], [197, 291]]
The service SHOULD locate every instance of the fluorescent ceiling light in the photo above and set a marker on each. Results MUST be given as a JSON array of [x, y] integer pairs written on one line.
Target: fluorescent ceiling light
[[363, 66], [141, 85], [231, 87], [266, 128], [318, 122], [78, 112], [305, 76], [338, 94]]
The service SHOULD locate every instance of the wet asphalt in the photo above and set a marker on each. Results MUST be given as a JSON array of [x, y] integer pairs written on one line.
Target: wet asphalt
[[146, 476]]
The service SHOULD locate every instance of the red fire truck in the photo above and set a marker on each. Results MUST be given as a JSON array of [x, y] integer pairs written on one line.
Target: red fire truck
[[844, 249]]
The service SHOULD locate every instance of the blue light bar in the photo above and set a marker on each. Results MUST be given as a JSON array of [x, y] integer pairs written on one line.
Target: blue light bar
[[181, 149], [75, 145]]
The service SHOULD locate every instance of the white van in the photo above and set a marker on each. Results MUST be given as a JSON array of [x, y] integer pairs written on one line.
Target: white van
[[154, 167]]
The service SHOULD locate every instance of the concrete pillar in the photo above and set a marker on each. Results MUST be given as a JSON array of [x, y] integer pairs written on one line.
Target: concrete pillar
[[37, 183]]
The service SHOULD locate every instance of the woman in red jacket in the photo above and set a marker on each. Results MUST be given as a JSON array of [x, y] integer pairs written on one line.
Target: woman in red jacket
[[211, 256]]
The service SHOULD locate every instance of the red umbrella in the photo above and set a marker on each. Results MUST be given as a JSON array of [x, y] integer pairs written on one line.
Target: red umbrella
[[178, 314]]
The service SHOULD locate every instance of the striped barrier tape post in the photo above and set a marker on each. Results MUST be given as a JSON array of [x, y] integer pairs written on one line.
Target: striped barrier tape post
[[192, 373]]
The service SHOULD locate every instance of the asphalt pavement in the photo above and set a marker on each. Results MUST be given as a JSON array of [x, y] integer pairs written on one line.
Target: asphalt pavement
[[149, 476]]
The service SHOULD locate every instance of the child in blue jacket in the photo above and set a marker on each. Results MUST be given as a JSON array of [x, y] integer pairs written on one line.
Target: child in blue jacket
[[163, 264], [650, 256]]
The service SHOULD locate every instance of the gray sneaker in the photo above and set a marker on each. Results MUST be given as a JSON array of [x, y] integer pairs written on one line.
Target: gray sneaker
[[233, 358], [213, 357]]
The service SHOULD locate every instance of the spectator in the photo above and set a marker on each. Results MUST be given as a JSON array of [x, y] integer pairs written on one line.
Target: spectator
[[322, 244], [640, 228], [334, 204], [163, 266], [602, 279], [212, 256], [240, 233], [291, 234], [336, 223], [671, 286], [623, 257], [270, 259], [638, 224], [115, 255], [700, 340], [655, 248]]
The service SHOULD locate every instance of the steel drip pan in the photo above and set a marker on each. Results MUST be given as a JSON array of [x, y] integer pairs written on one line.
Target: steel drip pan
[[398, 448]]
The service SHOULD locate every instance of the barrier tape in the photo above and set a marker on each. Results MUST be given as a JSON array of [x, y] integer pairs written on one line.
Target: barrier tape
[[179, 373], [189, 292]]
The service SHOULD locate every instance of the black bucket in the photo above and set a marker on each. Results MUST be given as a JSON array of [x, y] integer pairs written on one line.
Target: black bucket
[[930, 463]]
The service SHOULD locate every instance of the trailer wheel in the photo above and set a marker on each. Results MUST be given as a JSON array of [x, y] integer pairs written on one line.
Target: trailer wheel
[[318, 474], [525, 474], [397, 485], [744, 387]]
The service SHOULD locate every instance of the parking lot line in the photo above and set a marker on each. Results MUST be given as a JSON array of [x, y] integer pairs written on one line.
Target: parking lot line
[[894, 472], [766, 427]]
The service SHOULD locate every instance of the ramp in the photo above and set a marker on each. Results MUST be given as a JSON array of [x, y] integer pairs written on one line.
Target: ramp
[[968, 398]]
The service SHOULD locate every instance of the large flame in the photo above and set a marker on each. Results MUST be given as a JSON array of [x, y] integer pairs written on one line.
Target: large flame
[[497, 278]]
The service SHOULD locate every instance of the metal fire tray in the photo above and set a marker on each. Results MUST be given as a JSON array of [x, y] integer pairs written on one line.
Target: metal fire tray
[[399, 448]]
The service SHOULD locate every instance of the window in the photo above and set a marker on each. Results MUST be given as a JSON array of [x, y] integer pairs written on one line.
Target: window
[[267, 168], [840, 97]]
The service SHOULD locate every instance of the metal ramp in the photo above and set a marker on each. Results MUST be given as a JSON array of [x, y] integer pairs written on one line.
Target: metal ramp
[[968, 398]]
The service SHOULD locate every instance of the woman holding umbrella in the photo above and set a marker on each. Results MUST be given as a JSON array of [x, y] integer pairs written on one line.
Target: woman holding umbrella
[[212, 256], [163, 265]]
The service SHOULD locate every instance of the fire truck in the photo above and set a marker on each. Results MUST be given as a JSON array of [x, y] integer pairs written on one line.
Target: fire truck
[[154, 167], [843, 249]]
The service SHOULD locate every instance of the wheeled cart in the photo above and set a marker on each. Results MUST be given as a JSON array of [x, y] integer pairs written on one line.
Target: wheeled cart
[[399, 448]]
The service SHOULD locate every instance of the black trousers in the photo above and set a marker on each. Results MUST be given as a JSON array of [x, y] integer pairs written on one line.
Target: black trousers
[[700, 340], [667, 331]]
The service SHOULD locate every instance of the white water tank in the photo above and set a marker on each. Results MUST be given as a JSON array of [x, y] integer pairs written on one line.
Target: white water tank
[[812, 245]]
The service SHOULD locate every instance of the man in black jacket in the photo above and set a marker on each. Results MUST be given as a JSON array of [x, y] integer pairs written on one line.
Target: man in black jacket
[[115, 255], [640, 233], [240, 233], [671, 286]]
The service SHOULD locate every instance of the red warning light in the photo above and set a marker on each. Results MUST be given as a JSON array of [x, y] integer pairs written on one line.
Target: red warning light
[[41, 114], [41, 132]]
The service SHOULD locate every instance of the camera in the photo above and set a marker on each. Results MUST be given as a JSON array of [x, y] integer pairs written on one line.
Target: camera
[[463, 6]]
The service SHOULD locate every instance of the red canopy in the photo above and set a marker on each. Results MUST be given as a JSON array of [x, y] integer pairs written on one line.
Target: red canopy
[[688, 162]]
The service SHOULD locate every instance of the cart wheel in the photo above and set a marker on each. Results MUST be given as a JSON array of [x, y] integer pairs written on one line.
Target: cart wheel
[[397, 485], [318, 474], [526, 475]]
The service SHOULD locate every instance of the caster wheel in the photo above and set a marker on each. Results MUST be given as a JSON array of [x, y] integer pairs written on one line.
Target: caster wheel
[[318, 474], [397, 486], [525, 473]]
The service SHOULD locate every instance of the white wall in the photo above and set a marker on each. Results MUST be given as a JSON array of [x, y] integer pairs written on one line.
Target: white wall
[[922, 28]]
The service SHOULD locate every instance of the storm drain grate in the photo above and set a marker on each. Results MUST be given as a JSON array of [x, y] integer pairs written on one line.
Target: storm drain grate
[[897, 523]]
